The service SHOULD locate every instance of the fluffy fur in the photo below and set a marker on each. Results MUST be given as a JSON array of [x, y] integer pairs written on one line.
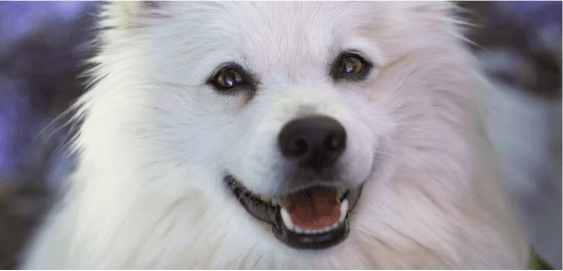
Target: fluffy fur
[[156, 140]]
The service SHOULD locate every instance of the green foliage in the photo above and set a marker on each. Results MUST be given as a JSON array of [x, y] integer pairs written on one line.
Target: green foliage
[[536, 263]]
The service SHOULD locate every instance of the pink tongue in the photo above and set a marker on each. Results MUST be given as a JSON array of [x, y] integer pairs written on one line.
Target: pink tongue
[[317, 212]]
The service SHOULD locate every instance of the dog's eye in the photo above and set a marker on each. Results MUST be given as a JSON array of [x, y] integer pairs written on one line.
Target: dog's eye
[[228, 78], [351, 65]]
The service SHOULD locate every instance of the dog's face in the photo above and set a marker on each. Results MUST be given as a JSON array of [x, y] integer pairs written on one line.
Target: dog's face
[[283, 111], [280, 110]]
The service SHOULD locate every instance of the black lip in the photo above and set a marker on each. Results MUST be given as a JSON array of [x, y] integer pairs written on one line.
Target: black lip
[[252, 204], [271, 214], [310, 241]]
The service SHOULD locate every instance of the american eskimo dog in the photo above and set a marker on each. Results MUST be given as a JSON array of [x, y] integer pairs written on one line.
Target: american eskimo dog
[[281, 135]]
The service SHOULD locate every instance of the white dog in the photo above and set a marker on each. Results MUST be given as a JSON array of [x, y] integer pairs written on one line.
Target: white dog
[[281, 135]]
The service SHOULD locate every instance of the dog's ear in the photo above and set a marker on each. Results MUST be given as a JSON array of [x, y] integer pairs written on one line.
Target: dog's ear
[[132, 14]]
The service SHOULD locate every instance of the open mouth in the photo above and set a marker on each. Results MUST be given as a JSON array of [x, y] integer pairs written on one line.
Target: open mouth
[[313, 217]]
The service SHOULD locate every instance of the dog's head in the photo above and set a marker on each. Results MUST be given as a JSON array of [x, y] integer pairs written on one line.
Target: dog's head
[[287, 108]]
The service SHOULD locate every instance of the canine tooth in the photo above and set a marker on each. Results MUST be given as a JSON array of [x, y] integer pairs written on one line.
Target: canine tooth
[[343, 210], [335, 225], [339, 194], [298, 230], [286, 219]]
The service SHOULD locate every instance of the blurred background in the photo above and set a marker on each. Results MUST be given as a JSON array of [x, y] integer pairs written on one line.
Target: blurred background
[[43, 46]]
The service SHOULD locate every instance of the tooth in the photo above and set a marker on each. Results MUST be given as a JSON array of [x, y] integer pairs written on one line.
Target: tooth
[[298, 230], [328, 228], [286, 219], [274, 202], [307, 231], [335, 225], [343, 210]]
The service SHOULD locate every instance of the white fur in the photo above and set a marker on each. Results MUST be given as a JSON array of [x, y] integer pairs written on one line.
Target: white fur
[[156, 141]]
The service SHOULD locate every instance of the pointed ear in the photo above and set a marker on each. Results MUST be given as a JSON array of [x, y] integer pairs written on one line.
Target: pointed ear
[[131, 14]]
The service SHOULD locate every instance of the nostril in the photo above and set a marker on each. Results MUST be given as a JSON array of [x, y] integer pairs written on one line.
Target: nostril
[[298, 146]]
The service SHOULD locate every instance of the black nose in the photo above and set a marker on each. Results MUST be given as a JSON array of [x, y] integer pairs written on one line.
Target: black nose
[[313, 142]]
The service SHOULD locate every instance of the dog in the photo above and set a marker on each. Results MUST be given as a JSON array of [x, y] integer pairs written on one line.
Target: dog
[[273, 135]]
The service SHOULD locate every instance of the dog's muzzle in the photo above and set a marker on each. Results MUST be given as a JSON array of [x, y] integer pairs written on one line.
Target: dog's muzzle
[[313, 213]]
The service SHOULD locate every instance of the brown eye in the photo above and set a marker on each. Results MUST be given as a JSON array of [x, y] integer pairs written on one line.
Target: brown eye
[[351, 65], [228, 78]]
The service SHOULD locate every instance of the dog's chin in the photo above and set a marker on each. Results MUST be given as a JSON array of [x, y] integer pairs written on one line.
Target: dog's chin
[[312, 217]]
